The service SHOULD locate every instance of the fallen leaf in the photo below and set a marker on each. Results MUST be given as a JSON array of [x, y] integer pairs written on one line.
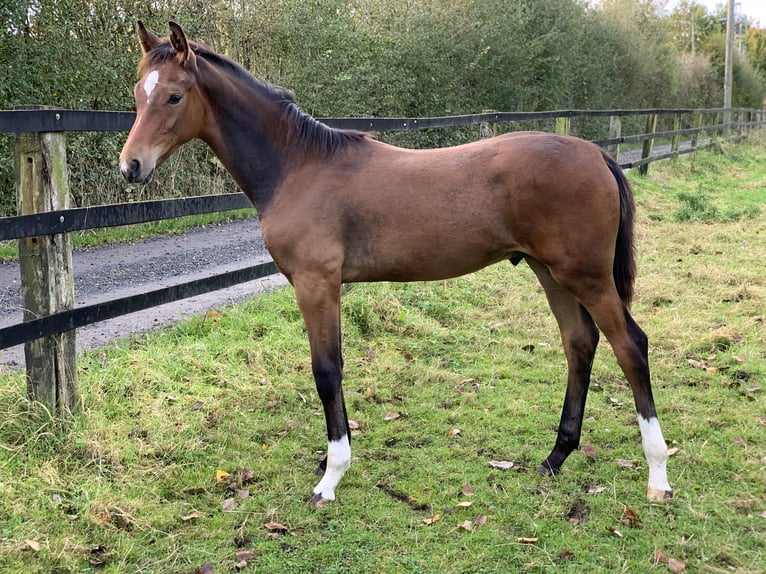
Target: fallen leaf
[[625, 463], [753, 389], [97, 556], [353, 425], [464, 504], [615, 402], [676, 566], [213, 314], [614, 531], [578, 513], [242, 558], [660, 557], [193, 516], [32, 545], [696, 364], [565, 554], [589, 450], [221, 475], [527, 540], [245, 555], [430, 521], [247, 476], [466, 525], [501, 464], [739, 441], [391, 416], [275, 527], [630, 517], [596, 489], [480, 520], [197, 405], [228, 504], [206, 569], [762, 514], [672, 451], [467, 489], [453, 432]]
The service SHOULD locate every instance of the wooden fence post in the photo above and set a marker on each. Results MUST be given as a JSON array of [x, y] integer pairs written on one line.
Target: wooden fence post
[[675, 141], [486, 129], [47, 283], [615, 131], [740, 120], [698, 121], [646, 152]]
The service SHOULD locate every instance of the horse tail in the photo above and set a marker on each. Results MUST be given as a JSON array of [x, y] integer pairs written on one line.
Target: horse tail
[[624, 269]]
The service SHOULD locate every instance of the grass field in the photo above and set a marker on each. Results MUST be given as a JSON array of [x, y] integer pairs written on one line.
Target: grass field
[[195, 447]]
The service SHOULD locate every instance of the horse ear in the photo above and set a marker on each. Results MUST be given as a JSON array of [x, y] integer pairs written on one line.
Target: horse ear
[[148, 40], [179, 42]]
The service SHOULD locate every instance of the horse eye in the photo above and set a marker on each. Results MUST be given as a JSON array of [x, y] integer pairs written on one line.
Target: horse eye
[[174, 99]]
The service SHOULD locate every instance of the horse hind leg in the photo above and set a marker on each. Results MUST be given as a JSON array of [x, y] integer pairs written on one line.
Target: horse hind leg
[[631, 348], [579, 337]]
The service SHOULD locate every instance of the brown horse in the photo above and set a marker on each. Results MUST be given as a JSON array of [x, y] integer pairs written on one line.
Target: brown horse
[[336, 207]]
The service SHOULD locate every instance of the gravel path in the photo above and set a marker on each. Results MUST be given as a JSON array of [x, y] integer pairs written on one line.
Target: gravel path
[[120, 270]]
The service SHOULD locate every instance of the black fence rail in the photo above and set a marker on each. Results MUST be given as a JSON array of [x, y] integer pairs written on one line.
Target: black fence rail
[[703, 126]]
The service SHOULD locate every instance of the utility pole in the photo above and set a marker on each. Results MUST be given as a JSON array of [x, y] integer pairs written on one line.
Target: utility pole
[[728, 68]]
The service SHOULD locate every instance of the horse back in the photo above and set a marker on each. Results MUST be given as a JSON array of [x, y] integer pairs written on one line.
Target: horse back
[[387, 213]]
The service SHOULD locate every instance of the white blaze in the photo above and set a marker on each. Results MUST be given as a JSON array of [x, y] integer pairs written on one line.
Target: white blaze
[[151, 82]]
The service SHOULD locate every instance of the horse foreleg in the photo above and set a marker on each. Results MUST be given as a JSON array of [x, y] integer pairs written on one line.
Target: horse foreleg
[[579, 337], [319, 301]]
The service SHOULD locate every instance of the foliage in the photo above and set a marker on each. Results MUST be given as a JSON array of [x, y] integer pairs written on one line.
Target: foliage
[[755, 40]]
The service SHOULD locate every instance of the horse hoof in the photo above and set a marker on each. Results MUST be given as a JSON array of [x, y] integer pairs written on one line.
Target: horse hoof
[[657, 494], [317, 500], [546, 470]]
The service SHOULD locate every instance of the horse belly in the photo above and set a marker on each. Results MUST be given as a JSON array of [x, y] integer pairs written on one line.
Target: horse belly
[[423, 253]]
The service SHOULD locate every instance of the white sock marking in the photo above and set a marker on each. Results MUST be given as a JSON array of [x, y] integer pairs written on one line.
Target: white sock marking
[[338, 461], [656, 452], [151, 82]]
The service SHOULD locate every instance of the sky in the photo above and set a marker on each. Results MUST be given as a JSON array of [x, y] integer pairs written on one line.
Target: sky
[[754, 9]]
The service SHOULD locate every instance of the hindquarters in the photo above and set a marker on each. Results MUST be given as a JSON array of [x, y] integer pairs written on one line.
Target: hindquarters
[[590, 285]]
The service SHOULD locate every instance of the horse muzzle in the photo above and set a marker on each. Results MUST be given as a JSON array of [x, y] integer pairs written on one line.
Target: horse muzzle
[[134, 171]]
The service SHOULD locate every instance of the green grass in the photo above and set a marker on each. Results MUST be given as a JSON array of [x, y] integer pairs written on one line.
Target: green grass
[[129, 484]]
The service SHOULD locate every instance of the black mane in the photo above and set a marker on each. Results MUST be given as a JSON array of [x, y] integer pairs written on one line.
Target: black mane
[[303, 129]]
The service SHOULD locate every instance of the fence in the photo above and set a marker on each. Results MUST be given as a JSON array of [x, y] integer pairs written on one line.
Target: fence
[[45, 219]]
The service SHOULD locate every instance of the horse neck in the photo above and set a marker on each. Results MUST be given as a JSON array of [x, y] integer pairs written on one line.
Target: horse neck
[[245, 131]]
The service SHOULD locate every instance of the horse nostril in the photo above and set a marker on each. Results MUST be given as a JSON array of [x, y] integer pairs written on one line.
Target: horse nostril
[[131, 170]]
